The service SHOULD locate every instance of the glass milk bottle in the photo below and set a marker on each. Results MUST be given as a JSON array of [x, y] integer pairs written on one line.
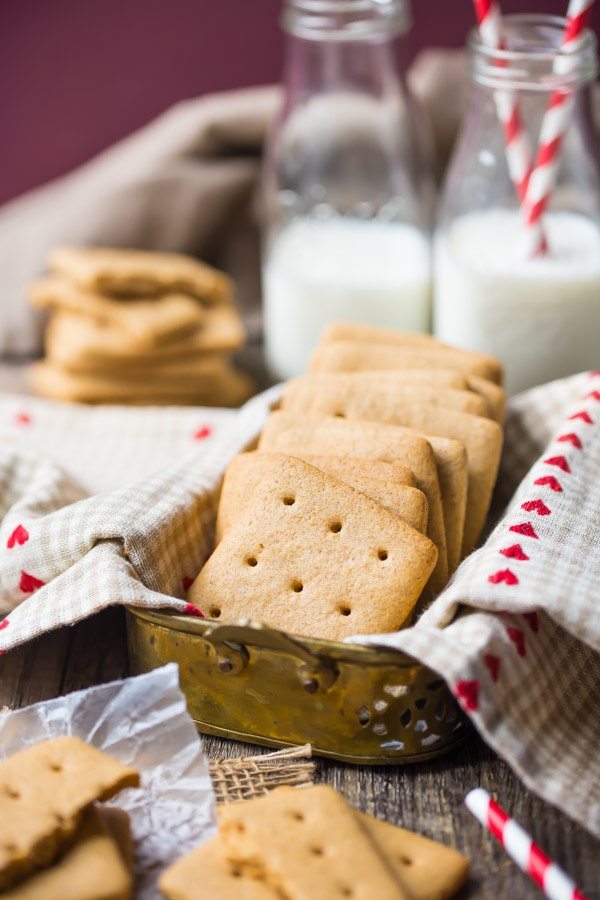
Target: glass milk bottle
[[347, 188], [532, 301]]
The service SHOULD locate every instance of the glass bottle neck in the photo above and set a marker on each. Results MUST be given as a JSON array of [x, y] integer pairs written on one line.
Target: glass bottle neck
[[533, 57], [323, 67]]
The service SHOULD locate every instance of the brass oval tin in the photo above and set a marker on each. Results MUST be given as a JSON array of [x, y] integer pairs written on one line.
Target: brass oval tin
[[252, 683]]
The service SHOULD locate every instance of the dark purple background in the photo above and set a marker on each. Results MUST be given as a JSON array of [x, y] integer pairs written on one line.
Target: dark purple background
[[76, 75]]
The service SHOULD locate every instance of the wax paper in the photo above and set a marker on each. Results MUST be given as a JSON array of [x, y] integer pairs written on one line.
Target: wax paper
[[143, 722]]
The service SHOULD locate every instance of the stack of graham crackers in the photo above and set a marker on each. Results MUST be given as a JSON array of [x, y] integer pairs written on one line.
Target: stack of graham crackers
[[301, 843], [133, 326], [56, 842], [369, 485]]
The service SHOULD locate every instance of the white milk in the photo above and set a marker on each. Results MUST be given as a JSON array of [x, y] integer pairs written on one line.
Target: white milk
[[360, 271], [541, 316]]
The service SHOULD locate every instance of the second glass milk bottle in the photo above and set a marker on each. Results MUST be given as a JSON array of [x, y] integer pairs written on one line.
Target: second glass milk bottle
[[346, 184], [538, 310]]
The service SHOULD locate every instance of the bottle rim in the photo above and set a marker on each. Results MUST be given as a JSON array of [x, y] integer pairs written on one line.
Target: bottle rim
[[346, 20], [542, 66]]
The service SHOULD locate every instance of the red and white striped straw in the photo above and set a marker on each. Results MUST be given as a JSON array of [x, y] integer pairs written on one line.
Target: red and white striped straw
[[554, 127], [521, 848], [518, 151]]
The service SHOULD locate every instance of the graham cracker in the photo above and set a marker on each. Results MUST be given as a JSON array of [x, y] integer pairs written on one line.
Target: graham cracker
[[247, 470], [426, 869], [146, 322], [75, 341], [348, 397], [43, 791], [312, 556], [370, 395], [139, 273], [221, 879], [348, 331], [91, 868], [309, 844], [288, 433], [356, 356], [218, 386], [493, 394], [482, 439]]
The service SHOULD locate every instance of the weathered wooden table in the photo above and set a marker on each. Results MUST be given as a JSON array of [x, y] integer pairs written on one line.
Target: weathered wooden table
[[426, 797]]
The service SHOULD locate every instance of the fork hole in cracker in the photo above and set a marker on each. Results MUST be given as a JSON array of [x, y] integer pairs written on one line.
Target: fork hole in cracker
[[405, 860], [346, 891], [289, 500], [345, 610], [335, 527], [297, 586], [214, 612], [56, 767], [236, 872], [317, 851], [382, 555], [252, 561], [12, 793], [298, 816], [339, 414]]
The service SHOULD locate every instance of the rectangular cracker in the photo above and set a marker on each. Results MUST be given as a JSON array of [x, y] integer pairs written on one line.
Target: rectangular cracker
[[482, 439], [356, 356], [145, 322], [370, 395], [221, 879], [221, 386], [348, 398], [347, 331], [310, 844], [493, 394], [75, 341], [43, 791], [247, 470], [91, 868], [287, 433], [426, 869], [139, 273], [312, 556]]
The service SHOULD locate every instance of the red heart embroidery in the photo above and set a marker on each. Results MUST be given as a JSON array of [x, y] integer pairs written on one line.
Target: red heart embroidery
[[595, 374], [532, 620], [23, 418], [187, 582], [493, 664], [525, 528], [203, 432], [468, 694], [3, 624], [584, 416], [518, 639], [515, 551], [29, 583], [19, 536], [190, 610], [559, 461], [570, 438], [552, 482], [593, 395], [504, 575], [537, 506]]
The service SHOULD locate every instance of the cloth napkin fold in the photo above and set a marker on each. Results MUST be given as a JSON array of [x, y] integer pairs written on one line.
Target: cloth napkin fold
[[516, 634]]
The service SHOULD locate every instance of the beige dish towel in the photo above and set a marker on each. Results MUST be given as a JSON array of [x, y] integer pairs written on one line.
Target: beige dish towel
[[524, 662]]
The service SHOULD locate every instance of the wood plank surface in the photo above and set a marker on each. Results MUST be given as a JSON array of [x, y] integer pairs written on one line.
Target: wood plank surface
[[426, 797]]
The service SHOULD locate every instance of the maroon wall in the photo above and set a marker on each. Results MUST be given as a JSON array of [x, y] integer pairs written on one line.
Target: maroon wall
[[75, 75]]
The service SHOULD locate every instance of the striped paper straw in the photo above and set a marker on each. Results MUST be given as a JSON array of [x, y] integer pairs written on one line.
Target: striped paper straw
[[554, 127], [521, 848], [518, 151]]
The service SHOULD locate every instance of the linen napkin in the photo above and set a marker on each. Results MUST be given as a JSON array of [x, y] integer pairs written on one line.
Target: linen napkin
[[522, 655]]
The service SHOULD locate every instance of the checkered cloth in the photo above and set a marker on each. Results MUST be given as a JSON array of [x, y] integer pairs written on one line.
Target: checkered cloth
[[521, 655]]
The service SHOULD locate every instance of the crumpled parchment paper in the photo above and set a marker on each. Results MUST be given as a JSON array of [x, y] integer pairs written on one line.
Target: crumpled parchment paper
[[143, 722]]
